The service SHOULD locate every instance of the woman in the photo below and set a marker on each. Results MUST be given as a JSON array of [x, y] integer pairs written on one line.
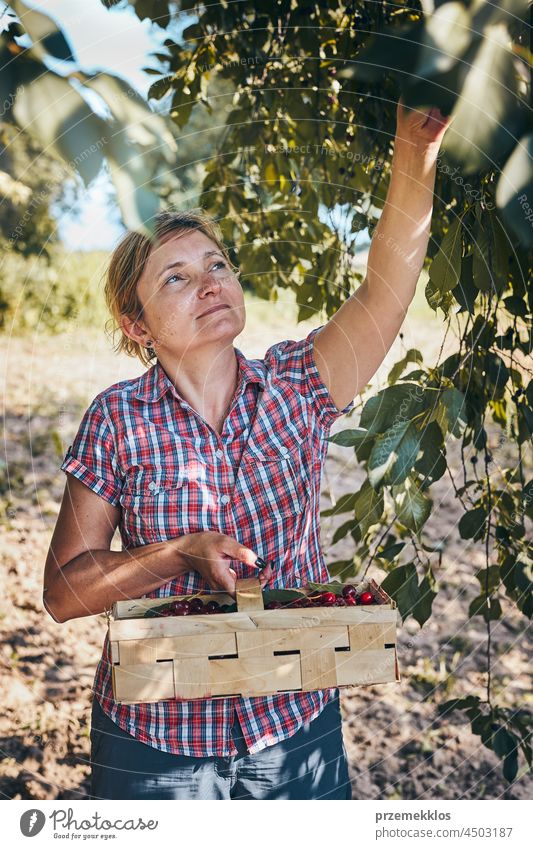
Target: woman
[[210, 465]]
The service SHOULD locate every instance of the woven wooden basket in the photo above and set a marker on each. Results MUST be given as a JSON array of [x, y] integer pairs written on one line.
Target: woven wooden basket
[[253, 652]]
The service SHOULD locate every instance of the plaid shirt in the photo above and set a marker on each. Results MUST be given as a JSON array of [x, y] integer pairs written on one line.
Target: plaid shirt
[[141, 446]]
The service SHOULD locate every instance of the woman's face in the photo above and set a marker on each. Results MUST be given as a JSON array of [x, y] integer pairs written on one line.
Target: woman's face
[[185, 276]]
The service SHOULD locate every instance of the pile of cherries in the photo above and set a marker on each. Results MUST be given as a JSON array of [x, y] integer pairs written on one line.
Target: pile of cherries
[[195, 606], [190, 607], [347, 598]]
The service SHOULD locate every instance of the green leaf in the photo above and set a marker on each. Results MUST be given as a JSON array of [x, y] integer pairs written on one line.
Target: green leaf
[[466, 703], [486, 120], [446, 36], [136, 120], [514, 191], [343, 530], [394, 50], [131, 177], [393, 455], [368, 507], [492, 574], [445, 268], [510, 766], [516, 306], [67, 125], [450, 412], [46, 36], [390, 551], [432, 462], [465, 293], [503, 743], [481, 255], [487, 607], [472, 524], [159, 88], [392, 405], [156, 10], [345, 504], [412, 506], [402, 585], [281, 595], [427, 593], [333, 586], [524, 576], [507, 574], [349, 438], [411, 356], [342, 569]]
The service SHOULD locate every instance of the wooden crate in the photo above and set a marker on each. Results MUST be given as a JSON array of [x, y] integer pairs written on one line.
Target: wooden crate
[[252, 652]]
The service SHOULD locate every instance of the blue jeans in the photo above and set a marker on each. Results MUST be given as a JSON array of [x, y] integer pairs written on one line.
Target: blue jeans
[[311, 764]]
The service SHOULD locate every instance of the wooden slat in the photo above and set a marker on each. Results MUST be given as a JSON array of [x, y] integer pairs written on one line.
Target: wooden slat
[[114, 651], [317, 662], [192, 678], [201, 646], [371, 636], [167, 648], [304, 618], [196, 679], [133, 652], [365, 667], [256, 643], [173, 626], [143, 682], [255, 676], [249, 594], [290, 639], [380, 595], [326, 616]]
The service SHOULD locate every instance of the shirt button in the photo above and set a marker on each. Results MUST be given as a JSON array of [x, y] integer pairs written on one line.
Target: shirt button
[[152, 485], [225, 499], [219, 453]]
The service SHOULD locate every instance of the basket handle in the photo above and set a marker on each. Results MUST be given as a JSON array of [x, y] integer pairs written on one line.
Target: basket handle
[[249, 595]]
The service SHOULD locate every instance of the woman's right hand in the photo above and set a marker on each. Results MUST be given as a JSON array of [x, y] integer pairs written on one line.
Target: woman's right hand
[[210, 553]]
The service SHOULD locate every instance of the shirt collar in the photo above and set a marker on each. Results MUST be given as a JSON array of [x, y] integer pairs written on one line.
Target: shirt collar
[[154, 383]]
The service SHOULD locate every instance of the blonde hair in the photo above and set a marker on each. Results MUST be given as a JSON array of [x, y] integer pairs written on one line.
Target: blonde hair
[[128, 262]]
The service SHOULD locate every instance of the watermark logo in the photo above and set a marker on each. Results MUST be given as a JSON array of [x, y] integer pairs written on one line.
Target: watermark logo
[[32, 822]]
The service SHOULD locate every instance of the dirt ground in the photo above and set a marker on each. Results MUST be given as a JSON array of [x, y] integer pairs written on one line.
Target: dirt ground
[[397, 745]]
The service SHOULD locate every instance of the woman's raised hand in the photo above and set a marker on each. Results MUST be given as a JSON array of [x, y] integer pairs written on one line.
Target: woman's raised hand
[[210, 553]]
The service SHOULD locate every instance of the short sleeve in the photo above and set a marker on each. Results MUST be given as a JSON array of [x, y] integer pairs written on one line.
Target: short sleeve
[[295, 363], [92, 456]]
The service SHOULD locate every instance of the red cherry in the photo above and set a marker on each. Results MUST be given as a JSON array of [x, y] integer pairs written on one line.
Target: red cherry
[[195, 605], [349, 590], [273, 605], [328, 598], [341, 602], [212, 607], [366, 598], [350, 601]]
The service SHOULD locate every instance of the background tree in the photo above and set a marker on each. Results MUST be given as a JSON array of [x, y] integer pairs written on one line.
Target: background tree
[[302, 169], [82, 119]]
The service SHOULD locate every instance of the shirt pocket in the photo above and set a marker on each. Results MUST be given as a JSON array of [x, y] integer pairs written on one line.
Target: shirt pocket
[[275, 472], [163, 503]]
